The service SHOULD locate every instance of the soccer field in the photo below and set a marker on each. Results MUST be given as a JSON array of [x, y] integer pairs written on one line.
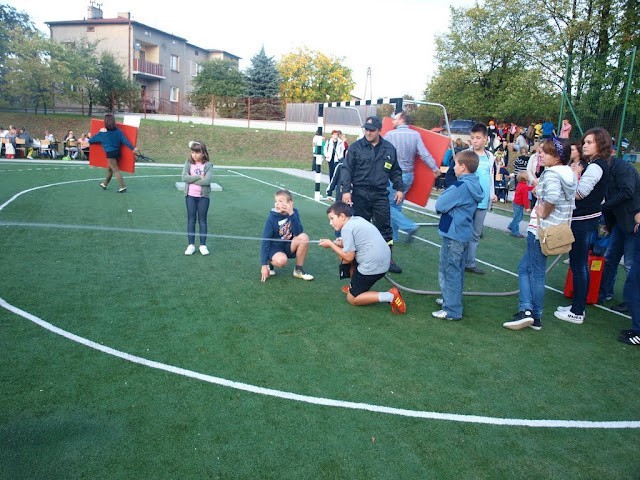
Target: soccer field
[[123, 358]]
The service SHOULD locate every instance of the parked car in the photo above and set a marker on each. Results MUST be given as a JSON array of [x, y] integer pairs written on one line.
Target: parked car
[[461, 126]]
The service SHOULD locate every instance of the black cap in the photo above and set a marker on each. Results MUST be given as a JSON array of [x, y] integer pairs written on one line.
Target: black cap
[[372, 123]]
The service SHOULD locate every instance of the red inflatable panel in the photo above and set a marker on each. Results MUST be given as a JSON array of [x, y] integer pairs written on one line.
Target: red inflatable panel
[[596, 269], [127, 161], [423, 176]]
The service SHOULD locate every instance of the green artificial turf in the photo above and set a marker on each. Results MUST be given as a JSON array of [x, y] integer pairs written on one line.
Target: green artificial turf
[[120, 279]]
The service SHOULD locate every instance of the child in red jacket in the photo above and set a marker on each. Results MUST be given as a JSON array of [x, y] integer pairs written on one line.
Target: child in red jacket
[[520, 203]]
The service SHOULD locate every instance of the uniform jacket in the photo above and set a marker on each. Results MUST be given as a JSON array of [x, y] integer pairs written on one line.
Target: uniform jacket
[[368, 167]]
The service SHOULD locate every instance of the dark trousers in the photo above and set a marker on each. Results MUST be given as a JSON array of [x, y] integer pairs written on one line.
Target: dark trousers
[[620, 243], [632, 286], [579, 262], [197, 207], [332, 169], [373, 205]]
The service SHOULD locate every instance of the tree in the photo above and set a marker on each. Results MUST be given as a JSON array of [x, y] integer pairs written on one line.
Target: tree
[[513, 62], [78, 67], [114, 88], [219, 79], [310, 76], [14, 26], [263, 78]]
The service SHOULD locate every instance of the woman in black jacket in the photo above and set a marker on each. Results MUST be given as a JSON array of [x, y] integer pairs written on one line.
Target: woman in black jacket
[[592, 187], [621, 202]]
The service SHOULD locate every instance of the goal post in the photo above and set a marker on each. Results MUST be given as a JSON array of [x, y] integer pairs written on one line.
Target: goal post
[[318, 138]]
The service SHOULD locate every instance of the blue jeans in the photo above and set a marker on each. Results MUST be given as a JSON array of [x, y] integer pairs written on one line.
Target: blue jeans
[[398, 220], [514, 226], [632, 286], [451, 275], [197, 207], [531, 276], [478, 225], [579, 262], [620, 243]]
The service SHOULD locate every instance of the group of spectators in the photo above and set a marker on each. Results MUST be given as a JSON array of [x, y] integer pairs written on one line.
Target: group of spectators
[[514, 137], [581, 182], [19, 140]]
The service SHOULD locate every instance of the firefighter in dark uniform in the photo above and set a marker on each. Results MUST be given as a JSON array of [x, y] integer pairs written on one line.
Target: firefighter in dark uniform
[[366, 172]]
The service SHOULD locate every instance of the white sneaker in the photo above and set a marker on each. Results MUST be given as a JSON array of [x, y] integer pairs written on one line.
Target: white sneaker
[[566, 309], [442, 314], [300, 273], [204, 250], [568, 316], [190, 250], [439, 301]]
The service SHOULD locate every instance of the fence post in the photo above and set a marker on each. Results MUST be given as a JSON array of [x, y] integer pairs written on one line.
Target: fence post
[[248, 112], [626, 100], [566, 76], [286, 115], [144, 103]]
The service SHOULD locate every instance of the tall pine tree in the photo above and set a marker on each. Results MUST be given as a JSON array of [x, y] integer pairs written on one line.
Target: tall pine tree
[[262, 76]]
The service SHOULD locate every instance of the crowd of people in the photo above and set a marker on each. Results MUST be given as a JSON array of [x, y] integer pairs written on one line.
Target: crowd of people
[[17, 142], [580, 183]]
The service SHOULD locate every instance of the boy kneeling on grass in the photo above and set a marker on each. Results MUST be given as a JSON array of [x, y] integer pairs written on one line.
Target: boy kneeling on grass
[[361, 241], [284, 228]]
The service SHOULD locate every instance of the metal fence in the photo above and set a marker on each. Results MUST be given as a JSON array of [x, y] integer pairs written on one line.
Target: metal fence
[[610, 100]]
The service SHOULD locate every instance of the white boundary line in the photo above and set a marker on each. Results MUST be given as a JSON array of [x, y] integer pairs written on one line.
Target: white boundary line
[[582, 424]]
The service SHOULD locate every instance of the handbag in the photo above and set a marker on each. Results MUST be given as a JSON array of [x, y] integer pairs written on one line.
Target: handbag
[[556, 239]]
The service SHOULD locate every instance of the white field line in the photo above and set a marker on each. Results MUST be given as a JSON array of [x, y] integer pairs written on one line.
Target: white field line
[[584, 424]]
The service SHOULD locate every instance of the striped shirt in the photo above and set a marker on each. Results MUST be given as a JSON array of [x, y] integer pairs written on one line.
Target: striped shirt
[[557, 186], [408, 142]]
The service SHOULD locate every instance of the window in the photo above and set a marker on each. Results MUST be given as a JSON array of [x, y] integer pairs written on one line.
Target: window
[[196, 68], [175, 63], [174, 95]]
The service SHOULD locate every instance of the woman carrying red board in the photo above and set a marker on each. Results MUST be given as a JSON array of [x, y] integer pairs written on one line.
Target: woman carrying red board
[[111, 138]]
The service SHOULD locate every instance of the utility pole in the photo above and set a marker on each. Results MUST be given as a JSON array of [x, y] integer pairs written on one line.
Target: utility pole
[[367, 86]]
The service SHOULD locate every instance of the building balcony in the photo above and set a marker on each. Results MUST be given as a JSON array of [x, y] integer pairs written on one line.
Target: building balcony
[[147, 69]]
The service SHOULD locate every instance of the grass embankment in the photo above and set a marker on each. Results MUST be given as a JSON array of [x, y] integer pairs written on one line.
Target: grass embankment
[[166, 142]]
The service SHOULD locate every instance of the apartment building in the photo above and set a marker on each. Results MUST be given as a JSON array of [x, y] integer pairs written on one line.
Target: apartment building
[[161, 63]]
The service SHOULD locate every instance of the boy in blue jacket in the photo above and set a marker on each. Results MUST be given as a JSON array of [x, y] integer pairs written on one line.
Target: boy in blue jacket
[[283, 238], [457, 206]]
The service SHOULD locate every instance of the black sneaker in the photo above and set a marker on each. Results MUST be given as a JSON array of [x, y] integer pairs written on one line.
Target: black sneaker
[[602, 300], [394, 267], [537, 324], [411, 234], [622, 308], [520, 320], [632, 339], [477, 270]]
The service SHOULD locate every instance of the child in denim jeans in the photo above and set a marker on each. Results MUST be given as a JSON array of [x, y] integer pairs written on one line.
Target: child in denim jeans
[[457, 206], [520, 203]]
